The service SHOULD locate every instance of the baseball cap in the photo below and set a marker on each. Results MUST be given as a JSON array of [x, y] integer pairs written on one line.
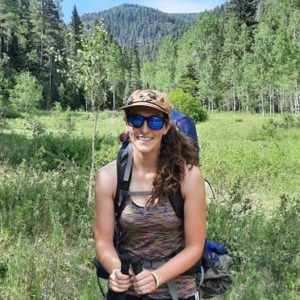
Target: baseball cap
[[149, 98]]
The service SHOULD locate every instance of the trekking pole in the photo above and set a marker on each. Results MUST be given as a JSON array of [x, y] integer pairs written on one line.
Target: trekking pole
[[137, 268], [125, 262]]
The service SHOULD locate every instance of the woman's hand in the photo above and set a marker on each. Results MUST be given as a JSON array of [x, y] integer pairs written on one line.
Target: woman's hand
[[119, 282], [144, 283]]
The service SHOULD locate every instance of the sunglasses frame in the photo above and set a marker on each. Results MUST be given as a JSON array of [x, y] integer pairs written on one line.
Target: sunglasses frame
[[147, 119]]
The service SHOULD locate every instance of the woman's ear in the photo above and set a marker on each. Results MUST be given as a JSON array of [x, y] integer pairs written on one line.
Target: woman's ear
[[167, 128]]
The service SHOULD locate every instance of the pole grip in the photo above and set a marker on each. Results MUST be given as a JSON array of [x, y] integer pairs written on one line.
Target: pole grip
[[137, 268], [125, 262]]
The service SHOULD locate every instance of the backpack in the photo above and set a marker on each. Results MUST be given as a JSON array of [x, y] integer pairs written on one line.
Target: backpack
[[211, 272]]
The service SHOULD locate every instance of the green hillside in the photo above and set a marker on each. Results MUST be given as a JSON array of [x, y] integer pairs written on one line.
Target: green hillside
[[140, 26]]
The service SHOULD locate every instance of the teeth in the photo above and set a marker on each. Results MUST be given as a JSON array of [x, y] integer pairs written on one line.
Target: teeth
[[144, 138]]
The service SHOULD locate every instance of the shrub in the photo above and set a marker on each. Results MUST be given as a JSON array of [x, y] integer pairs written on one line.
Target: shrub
[[3, 122], [289, 121], [67, 120], [186, 103], [36, 127], [26, 94], [5, 84], [264, 248]]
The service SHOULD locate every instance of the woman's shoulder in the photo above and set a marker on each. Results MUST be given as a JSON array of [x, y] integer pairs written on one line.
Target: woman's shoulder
[[192, 184], [107, 175], [192, 171], [192, 175], [110, 167]]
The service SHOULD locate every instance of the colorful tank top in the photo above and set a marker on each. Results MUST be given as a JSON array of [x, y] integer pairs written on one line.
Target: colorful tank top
[[155, 233]]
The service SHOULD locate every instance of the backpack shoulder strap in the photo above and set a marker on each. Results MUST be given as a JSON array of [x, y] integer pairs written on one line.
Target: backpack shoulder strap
[[124, 171], [177, 202]]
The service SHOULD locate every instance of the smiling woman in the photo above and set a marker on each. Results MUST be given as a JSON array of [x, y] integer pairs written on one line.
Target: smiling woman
[[164, 162]]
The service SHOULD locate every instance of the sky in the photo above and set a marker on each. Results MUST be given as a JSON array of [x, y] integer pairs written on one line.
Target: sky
[[169, 6]]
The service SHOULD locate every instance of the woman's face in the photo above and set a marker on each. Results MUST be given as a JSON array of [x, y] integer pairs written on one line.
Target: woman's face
[[144, 139]]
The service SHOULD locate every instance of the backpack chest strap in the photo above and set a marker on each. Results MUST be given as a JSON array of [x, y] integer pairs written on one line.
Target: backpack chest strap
[[154, 264], [138, 193]]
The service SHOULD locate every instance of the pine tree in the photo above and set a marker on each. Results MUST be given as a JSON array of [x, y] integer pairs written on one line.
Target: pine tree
[[135, 82], [8, 28], [244, 10], [76, 29], [47, 41]]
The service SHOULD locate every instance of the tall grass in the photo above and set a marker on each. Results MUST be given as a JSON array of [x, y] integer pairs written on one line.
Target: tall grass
[[246, 148], [46, 224]]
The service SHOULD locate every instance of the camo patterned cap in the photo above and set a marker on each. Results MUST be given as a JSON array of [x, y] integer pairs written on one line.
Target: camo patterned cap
[[150, 98]]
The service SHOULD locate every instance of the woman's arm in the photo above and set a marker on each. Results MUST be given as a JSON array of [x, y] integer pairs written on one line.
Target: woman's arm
[[106, 183], [193, 191]]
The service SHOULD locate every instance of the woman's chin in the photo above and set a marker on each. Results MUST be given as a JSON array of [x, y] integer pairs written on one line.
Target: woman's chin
[[144, 148]]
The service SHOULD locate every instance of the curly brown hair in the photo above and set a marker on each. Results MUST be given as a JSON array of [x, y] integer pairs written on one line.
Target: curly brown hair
[[177, 151]]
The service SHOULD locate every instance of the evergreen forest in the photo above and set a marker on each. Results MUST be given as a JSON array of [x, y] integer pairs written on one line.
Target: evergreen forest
[[141, 26], [243, 56]]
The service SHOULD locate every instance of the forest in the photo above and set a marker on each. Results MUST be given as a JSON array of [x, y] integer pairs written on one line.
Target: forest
[[141, 26], [234, 70], [244, 59]]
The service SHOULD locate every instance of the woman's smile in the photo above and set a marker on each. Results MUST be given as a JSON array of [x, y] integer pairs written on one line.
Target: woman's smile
[[144, 138]]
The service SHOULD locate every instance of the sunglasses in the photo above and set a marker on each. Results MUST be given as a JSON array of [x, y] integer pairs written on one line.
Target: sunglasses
[[153, 122]]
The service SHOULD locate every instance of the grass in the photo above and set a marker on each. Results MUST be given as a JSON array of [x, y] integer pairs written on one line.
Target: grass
[[59, 122], [46, 224], [237, 148]]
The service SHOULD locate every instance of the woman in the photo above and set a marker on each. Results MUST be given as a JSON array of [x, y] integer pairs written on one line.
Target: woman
[[163, 160]]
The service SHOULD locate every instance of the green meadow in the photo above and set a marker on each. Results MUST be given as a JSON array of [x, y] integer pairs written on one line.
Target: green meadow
[[46, 222]]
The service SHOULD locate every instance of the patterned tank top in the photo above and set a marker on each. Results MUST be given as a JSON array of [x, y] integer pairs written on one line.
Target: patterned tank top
[[155, 233]]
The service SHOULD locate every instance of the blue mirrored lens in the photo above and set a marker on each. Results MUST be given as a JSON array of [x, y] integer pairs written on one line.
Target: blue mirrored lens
[[135, 121], [153, 122]]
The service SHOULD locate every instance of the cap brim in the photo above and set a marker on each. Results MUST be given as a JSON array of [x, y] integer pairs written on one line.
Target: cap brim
[[147, 104]]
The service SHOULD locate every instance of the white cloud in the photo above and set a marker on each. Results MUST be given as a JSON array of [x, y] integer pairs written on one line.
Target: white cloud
[[186, 6]]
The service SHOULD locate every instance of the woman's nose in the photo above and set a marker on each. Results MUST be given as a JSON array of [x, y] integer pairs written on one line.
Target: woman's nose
[[145, 127]]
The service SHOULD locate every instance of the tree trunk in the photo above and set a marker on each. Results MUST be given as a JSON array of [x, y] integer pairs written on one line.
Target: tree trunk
[[271, 108], [50, 83], [92, 170], [247, 100], [281, 101], [262, 101], [203, 102], [212, 104], [297, 98], [1, 45], [114, 99], [233, 97], [297, 102]]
